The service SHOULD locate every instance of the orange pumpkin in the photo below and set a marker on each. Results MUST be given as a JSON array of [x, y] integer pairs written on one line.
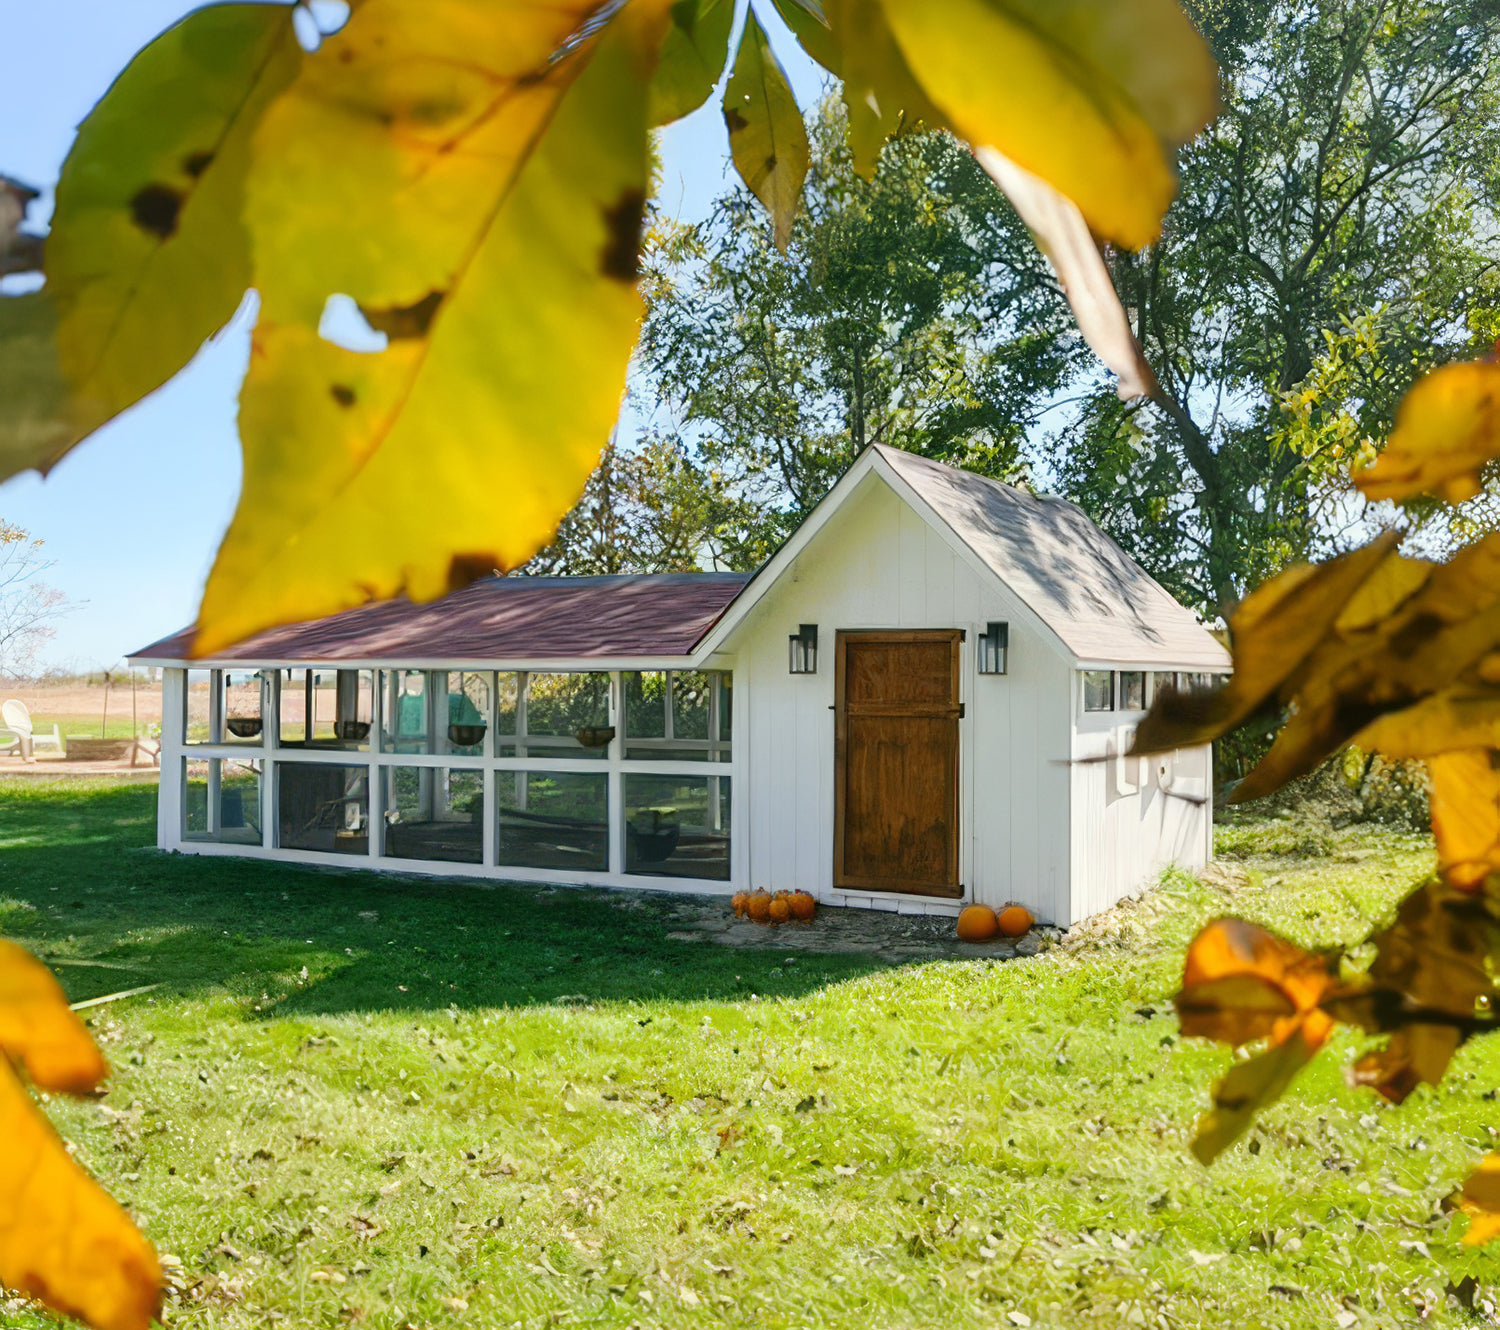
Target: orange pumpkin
[[977, 923], [803, 906], [1015, 920], [758, 907], [779, 910], [738, 901]]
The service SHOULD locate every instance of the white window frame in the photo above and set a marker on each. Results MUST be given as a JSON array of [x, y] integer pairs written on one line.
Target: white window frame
[[613, 766]]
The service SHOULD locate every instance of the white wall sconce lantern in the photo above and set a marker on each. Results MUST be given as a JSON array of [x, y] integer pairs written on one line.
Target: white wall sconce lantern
[[803, 649], [994, 648]]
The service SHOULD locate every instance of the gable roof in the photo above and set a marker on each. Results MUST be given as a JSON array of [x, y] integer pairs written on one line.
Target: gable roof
[[498, 619], [1102, 606], [1095, 597]]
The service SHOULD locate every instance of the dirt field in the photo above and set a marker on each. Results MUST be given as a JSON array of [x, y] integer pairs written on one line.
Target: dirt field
[[79, 708]]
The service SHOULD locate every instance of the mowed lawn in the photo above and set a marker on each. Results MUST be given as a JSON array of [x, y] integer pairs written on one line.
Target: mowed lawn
[[365, 1101]]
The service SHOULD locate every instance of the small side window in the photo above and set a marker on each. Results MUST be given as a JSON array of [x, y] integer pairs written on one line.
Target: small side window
[[1132, 690], [1098, 690]]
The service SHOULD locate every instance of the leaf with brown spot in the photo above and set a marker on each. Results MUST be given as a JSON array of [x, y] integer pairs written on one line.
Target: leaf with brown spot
[[1426, 985], [1411, 1056], [506, 180], [767, 138], [63, 1240], [1446, 431], [412, 320], [148, 254]]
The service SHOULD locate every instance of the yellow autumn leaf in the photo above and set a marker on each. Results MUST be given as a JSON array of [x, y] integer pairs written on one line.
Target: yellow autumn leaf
[[1275, 632], [1467, 715], [38, 1032], [1091, 96], [1447, 429], [1441, 629], [767, 139], [880, 92], [1254, 1084], [473, 176], [1479, 1199], [1062, 234], [1466, 814], [63, 1240], [148, 255]]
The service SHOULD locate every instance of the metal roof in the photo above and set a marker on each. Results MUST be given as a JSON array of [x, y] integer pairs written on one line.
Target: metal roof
[[1104, 606], [511, 619]]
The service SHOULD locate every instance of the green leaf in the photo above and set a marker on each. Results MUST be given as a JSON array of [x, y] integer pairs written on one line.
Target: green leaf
[[693, 56], [38, 423], [809, 24], [882, 96], [148, 255], [767, 138], [487, 220]]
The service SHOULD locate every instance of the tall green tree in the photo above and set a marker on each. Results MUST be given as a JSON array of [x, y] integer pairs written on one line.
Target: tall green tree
[[911, 309], [1350, 182], [650, 508]]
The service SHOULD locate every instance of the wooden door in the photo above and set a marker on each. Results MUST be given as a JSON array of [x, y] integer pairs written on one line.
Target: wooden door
[[896, 762]]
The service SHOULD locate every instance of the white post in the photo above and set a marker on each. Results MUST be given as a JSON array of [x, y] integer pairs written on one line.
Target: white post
[[169, 805], [614, 782]]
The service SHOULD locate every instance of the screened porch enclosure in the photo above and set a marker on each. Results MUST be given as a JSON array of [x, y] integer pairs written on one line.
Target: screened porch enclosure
[[566, 774]]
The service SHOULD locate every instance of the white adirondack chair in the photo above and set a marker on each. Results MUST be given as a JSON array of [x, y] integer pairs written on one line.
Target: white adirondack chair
[[17, 719]]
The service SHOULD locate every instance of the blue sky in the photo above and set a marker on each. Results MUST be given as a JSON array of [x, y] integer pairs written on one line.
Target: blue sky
[[133, 516]]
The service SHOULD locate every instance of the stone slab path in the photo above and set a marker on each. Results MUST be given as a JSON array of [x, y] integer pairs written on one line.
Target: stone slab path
[[897, 938]]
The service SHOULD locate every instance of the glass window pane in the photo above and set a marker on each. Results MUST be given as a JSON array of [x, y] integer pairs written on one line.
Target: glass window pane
[[1098, 692], [195, 805], [464, 706], [323, 807], [404, 697], [325, 708], [561, 715], [1132, 690], [677, 716], [677, 826], [434, 813], [645, 704], [200, 688], [553, 819], [243, 719], [507, 699], [238, 801]]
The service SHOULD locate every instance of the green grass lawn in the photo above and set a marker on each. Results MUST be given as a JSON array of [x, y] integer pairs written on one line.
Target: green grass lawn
[[370, 1101]]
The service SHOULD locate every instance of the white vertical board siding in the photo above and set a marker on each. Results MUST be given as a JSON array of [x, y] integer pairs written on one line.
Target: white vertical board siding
[[1132, 816], [880, 565]]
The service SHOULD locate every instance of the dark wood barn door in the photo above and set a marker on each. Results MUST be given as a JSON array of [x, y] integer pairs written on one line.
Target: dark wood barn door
[[896, 762]]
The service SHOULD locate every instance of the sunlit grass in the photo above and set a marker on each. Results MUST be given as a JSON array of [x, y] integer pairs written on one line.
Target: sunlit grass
[[387, 1102]]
